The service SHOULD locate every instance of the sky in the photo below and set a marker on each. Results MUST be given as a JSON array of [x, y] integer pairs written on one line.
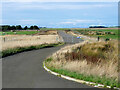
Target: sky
[[60, 14]]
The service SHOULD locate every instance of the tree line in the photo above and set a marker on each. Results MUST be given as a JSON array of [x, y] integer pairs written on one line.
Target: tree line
[[97, 27], [18, 27]]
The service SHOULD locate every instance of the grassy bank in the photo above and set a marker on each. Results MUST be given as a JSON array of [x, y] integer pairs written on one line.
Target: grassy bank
[[12, 51], [95, 62], [96, 79]]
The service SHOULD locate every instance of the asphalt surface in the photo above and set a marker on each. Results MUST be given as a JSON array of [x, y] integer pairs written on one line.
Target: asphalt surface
[[25, 70], [69, 39]]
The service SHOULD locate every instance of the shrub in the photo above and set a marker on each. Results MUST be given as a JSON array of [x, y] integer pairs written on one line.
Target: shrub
[[107, 39], [93, 53]]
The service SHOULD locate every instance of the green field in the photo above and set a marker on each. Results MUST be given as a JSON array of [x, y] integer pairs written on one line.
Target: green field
[[110, 36], [19, 33], [29, 32]]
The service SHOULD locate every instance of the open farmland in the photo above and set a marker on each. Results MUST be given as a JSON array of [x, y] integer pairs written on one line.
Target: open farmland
[[13, 41], [28, 32], [102, 33], [19, 32]]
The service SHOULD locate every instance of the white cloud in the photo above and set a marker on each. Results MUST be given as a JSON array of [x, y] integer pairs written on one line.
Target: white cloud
[[74, 22], [67, 23], [60, 0]]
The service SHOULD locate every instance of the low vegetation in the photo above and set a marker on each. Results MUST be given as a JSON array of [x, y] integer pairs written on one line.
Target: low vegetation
[[12, 51], [96, 62], [13, 41], [102, 33], [29, 32], [12, 44]]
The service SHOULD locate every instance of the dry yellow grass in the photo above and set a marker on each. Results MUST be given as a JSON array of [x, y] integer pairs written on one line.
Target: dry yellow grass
[[107, 67], [13, 41]]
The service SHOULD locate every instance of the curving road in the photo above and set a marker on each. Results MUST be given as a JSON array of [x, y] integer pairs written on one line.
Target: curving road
[[25, 70]]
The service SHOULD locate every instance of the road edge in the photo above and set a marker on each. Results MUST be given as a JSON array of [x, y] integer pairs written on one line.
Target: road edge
[[76, 80], [12, 51]]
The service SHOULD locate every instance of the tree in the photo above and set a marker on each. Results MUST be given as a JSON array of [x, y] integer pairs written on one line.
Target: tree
[[25, 28], [97, 27], [5, 28], [13, 27], [18, 27], [36, 27], [31, 27]]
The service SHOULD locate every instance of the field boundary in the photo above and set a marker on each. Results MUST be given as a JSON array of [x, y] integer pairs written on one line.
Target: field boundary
[[13, 51], [76, 80]]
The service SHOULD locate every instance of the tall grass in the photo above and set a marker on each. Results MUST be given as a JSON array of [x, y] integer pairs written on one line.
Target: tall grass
[[93, 53], [98, 59]]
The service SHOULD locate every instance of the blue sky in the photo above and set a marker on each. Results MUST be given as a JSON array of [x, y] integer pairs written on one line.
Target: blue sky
[[60, 14]]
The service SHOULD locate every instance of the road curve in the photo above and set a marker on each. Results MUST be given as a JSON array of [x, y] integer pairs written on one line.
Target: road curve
[[25, 70]]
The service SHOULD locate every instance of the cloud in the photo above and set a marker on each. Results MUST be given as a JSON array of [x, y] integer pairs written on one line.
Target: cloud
[[74, 22], [60, 0], [67, 23]]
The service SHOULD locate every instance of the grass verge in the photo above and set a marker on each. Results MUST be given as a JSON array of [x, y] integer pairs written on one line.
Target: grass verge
[[96, 79], [28, 48]]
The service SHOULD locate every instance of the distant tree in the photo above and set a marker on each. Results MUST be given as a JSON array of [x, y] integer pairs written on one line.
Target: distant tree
[[13, 27], [97, 27], [35, 27], [18, 27], [5, 27], [31, 27], [25, 28]]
